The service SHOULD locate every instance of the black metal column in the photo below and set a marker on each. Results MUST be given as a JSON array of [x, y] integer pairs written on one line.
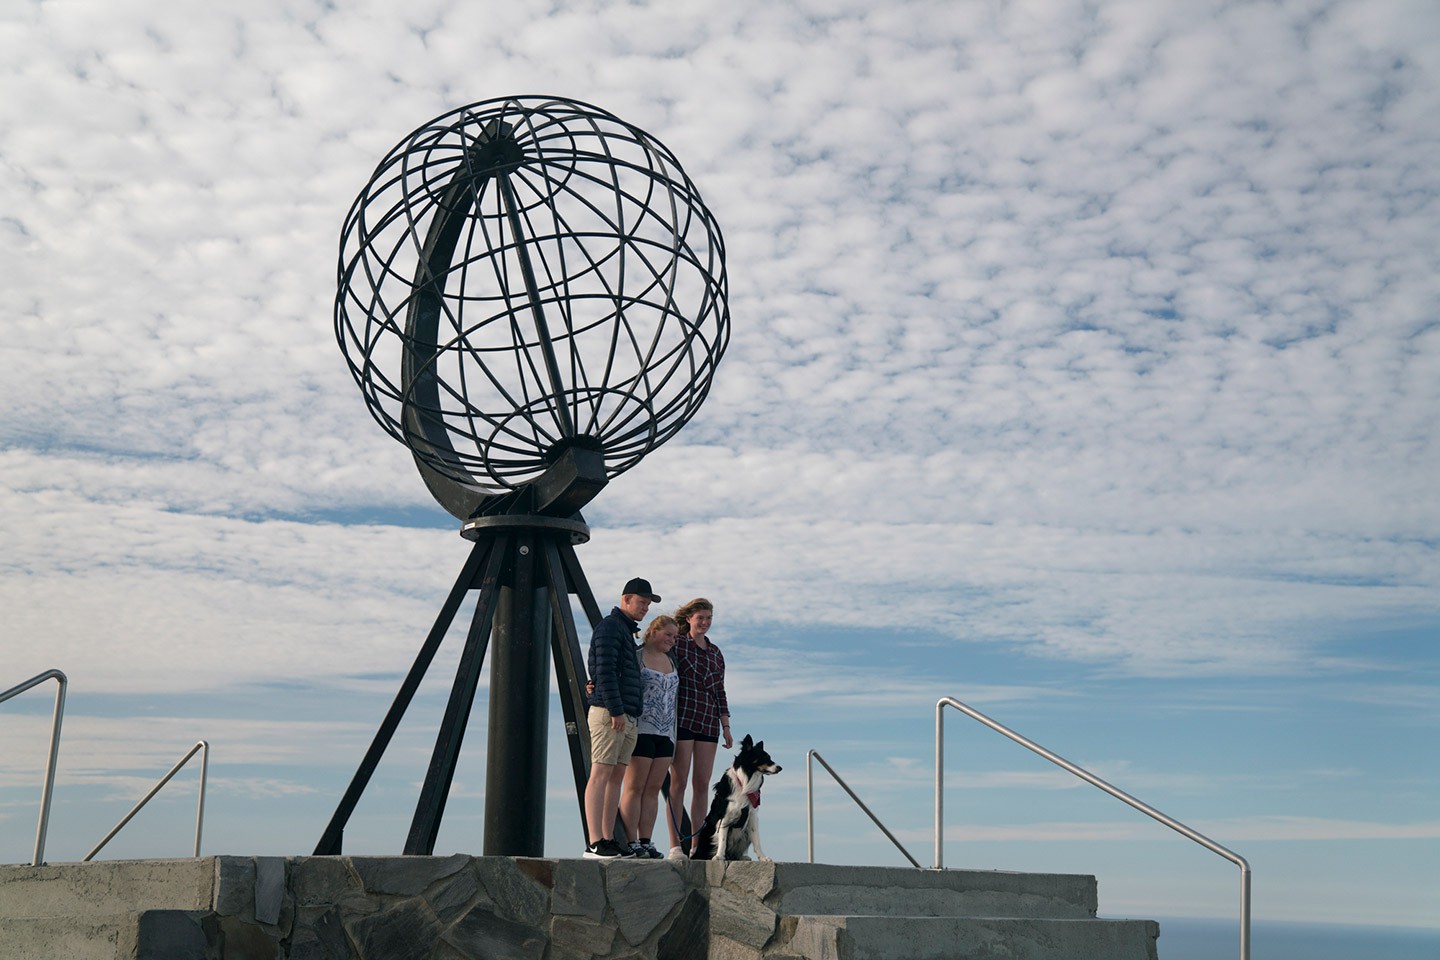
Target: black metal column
[[519, 708]]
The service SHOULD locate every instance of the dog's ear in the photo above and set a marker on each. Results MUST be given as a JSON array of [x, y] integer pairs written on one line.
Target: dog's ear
[[747, 744], [760, 745]]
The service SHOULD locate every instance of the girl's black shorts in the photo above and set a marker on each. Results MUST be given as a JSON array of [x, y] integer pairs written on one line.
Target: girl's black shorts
[[654, 746], [684, 734]]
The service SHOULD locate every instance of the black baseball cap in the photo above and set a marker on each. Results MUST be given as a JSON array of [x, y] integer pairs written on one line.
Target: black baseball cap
[[641, 586]]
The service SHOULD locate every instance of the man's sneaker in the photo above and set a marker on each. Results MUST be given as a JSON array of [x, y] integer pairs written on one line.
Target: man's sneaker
[[645, 850], [605, 849], [653, 853], [677, 853]]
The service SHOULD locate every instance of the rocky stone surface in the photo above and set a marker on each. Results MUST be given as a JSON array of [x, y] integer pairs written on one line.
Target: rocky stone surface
[[497, 908]]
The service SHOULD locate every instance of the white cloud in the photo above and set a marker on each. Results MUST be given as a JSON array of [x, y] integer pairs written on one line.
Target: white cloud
[[1047, 308]]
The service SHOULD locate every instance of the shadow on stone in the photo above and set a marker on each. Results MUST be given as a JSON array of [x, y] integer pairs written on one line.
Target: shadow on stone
[[689, 933], [406, 931], [482, 934], [170, 935]]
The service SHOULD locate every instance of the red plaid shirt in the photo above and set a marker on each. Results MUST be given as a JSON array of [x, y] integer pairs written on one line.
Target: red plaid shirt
[[701, 701]]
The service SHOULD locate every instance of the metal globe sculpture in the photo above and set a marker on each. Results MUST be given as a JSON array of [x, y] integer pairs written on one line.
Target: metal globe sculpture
[[532, 297], [525, 277]]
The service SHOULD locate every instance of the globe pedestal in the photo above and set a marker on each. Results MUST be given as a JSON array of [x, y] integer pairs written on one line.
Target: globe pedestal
[[525, 570]]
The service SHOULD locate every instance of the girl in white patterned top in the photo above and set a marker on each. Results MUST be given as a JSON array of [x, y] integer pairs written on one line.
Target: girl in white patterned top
[[655, 743]]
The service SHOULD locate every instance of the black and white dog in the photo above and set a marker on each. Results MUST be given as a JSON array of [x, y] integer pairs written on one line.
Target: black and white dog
[[731, 827]]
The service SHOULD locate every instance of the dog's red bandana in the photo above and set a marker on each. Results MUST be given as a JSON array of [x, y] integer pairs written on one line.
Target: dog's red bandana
[[752, 795]]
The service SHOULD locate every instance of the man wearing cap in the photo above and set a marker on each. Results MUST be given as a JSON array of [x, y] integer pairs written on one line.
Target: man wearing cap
[[614, 713]]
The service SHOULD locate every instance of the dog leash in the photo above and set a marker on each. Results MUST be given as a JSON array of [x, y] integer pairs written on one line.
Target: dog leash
[[670, 808]]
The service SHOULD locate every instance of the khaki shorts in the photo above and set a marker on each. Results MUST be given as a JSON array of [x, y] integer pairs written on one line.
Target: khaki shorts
[[608, 745]]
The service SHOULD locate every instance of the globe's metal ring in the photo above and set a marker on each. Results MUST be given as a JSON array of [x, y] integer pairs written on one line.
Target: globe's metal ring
[[523, 275], [578, 530]]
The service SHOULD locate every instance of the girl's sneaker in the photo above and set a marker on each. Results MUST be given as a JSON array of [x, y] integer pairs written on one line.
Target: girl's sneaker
[[650, 851], [605, 849], [677, 853]]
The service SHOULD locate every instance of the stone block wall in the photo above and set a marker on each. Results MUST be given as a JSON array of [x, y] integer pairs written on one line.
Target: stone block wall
[[498, 908], [469, 908]]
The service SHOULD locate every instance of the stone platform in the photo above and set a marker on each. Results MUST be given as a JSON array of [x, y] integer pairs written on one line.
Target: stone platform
[[496, 908]]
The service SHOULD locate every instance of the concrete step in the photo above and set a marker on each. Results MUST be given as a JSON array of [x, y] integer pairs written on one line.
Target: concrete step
[[971, 938], [140, 935], [817, 888], [107, 888], [95, 937]]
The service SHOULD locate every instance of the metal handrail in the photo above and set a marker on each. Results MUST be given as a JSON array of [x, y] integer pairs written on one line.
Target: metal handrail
[[57, 715], [810, 807], [204, 749], [1090, 778]]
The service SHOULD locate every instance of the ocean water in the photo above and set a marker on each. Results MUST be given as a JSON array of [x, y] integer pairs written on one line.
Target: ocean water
[[1184, 939]]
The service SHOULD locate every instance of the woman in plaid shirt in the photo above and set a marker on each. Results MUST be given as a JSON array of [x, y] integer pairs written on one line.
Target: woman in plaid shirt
[[702, 716]]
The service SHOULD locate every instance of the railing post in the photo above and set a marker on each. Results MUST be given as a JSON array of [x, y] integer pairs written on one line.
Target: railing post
[[939, 785], [48, 789], [200, 807], [1244, 909], [809, 808]]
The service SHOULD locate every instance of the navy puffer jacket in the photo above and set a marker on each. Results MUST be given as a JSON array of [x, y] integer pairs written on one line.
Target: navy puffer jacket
[[613, 667]]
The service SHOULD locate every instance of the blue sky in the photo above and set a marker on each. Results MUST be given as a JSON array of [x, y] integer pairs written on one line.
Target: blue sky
[[1084, 367]]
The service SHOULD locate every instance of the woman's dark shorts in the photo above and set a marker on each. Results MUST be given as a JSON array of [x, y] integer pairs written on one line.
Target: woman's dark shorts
[[654, 746], [684, 734]]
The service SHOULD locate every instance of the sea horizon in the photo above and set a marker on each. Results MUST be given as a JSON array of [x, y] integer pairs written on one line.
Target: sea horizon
[[1210, 938]]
